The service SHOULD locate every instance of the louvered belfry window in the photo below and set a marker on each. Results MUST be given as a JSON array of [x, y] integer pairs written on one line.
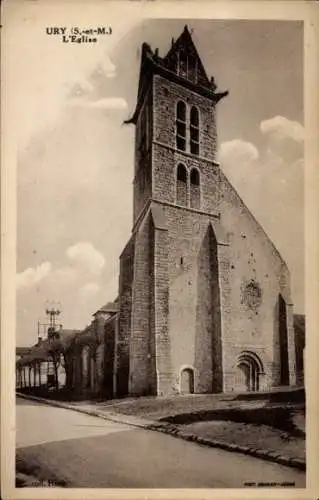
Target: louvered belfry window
[[194, 131], [187, 66], [181, 125], [183, 64], [194, 189], [181, 185]]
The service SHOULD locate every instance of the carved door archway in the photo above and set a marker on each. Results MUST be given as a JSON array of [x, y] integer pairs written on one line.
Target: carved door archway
[[249, 371]]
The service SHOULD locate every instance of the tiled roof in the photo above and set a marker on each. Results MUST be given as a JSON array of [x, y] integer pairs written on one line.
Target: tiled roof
[[110, 307]]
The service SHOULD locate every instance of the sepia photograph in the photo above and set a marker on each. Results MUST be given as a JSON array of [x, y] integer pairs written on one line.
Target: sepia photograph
[[160, 326]]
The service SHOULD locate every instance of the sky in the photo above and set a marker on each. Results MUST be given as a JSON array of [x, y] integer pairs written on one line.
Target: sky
[[75, 156]]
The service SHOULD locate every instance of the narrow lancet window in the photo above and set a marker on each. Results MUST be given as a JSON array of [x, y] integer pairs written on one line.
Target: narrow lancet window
[[181, 126], [181, 185], [194, 189], [194, 131]]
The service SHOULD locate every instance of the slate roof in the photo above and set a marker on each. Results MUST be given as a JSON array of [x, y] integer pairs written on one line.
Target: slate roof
[[110, 307], [152, 63]]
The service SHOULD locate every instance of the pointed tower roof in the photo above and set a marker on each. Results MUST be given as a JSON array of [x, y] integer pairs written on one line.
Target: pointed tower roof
[[169, 68], [184, 44]]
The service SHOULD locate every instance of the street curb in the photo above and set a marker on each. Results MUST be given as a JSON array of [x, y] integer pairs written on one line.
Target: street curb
[[93, 413], [267, 455], [174, 431]]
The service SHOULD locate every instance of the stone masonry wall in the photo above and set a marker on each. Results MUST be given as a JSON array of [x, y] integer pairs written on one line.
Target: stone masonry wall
[[196, 299], [252, 257], [161, 314], [124, 322], [248, 256], [142, 182], [207, 327], [191, 319], [165, 157], [109, 347], [140, 378], [165, 97]]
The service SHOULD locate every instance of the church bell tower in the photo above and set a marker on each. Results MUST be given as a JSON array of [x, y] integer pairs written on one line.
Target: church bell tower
[[205, 299], [175, 195], [175, 128]]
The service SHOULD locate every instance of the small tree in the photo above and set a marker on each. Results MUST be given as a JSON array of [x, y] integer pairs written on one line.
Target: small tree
[[54, 352], [66, 363]]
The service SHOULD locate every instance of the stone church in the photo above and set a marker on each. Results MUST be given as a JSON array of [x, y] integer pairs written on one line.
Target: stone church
[[204, 296]]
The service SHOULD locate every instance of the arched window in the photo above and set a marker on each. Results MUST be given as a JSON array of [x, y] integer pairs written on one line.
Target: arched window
[[195, 177], [181, 126], [181, 185], [194, 131], [194, 189]]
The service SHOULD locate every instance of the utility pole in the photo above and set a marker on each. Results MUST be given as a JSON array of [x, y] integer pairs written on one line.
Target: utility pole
[[52, 314], [49, 330]]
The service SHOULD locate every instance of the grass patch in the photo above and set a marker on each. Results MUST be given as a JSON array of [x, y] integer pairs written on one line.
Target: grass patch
[[250, 435], [162, 407], [278, 417]]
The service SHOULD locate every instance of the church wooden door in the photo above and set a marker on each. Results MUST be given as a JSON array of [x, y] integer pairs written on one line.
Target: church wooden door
[[187, 381]]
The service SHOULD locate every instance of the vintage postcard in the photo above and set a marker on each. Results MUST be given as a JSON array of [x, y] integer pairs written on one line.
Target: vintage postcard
[[160, 250]]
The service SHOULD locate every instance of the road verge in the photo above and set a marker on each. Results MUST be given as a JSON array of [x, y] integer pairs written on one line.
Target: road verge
[[175, 431]]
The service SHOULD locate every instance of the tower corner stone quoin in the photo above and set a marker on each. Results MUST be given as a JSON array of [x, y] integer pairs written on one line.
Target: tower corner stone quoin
[[204, 301]]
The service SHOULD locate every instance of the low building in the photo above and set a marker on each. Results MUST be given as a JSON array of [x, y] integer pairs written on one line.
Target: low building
[[80, 362], [43, 365]]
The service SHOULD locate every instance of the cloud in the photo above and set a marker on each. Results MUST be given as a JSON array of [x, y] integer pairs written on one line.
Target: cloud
[[32, 276], [237, 152], [284, 146], [284, 140], [86, 258], [81, 88], [78, 282], [64, 276], [106, 69], [106, 103], [280, 128], [95, 82], [89, 290], [84, 261], [91, 91]]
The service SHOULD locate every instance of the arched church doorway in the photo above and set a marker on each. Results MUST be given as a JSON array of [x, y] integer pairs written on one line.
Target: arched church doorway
[[249, 371], [187, 381]]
